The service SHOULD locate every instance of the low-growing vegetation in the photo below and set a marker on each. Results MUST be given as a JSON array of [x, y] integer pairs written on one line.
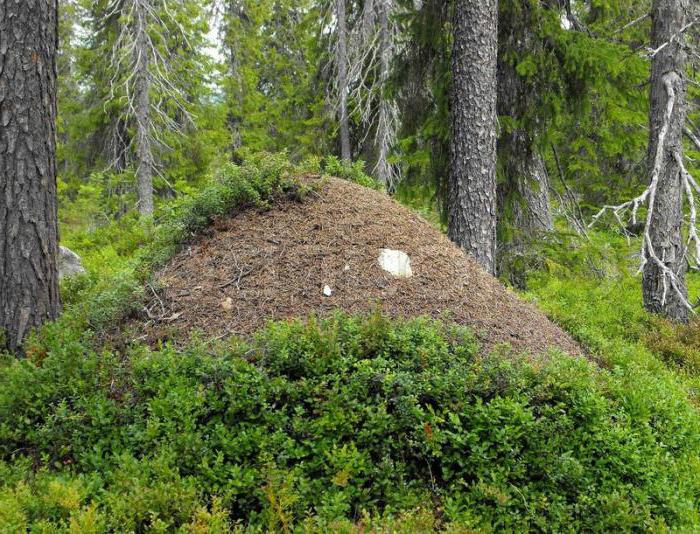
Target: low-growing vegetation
[[591, 287], [320, 422], [220, 309], [341, 423]]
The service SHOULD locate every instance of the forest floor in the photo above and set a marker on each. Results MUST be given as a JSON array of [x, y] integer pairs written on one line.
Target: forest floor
[[273, 265]]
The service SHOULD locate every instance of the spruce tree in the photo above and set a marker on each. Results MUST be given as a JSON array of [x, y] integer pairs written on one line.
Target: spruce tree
[[144, 63], [665, 263]]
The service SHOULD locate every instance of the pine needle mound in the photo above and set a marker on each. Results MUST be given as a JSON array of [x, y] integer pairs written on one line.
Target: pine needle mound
[[275, 265]]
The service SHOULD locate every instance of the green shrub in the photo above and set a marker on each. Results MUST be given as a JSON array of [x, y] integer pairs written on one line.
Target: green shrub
[[676, 344], [347, 415], [593, 290], [353, 172], [348, 423]]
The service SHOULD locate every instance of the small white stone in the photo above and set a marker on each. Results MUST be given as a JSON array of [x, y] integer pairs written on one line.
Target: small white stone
[[395, 262], [327, 291]]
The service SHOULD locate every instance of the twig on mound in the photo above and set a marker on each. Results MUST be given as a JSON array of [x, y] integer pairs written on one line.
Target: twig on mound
[[149, 314], [155, 294], [236, 279]]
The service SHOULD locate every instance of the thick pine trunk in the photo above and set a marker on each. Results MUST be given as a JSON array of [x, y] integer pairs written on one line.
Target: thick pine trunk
[[343, 86], [472, 174], [28, 212], [142, 107], [668, 68]]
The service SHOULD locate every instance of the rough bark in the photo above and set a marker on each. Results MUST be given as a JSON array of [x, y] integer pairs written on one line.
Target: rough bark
[[524, 193], [667, 70], [142, 110], [532, 214], [523, 205], [343, 86], [28, 212], [472, 173]]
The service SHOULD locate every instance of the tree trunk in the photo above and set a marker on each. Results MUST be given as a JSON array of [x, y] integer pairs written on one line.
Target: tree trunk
[[667, 72], [142, 108], [235, 10], [385, 121], [524, 188], [525, 192], [343, 87], [28, 212], [472, 174]]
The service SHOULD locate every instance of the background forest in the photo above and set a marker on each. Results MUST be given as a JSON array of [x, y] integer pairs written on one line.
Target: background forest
[[229, 79], [233, 78], [172, 112]]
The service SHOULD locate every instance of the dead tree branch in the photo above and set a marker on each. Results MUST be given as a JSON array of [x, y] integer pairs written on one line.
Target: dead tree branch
[[648, 198]]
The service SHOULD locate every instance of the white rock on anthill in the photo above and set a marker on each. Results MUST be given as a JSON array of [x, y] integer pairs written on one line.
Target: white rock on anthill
[[327, 291], [396, 262]]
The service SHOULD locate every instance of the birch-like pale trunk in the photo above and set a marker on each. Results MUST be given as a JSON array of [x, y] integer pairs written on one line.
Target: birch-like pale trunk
[[472, 173], [142, 109], [665, 239], [343, 83]]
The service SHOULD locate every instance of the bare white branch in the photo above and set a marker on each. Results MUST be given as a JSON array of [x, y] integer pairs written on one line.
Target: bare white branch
[[648, 198]]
